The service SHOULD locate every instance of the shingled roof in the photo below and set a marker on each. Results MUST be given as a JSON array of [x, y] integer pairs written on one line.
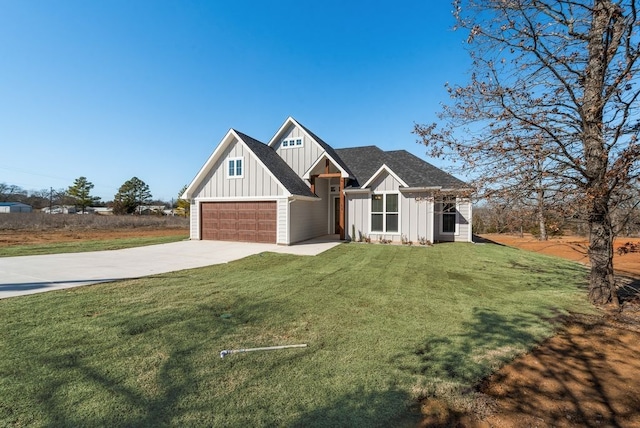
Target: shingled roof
[[364, 162], [278, 167], [327, 148]]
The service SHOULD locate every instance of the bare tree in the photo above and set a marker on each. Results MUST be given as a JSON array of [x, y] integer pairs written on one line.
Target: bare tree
[[12, 193], [562, 74]]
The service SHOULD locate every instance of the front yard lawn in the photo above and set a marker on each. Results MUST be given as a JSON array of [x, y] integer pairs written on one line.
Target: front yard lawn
[[385, 327]]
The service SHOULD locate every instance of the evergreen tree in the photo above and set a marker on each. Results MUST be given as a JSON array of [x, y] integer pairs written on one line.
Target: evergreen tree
[[131, 195], [81, 193]]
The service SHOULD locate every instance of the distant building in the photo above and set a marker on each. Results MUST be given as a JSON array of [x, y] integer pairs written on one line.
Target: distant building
[[101, 210], [15, 207], [60, 209]]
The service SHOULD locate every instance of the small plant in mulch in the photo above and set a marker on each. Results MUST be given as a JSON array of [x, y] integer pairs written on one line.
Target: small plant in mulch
[[422, 240], [405, 240]]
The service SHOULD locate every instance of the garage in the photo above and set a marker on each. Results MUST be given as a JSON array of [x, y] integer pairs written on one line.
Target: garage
[[239, 221]]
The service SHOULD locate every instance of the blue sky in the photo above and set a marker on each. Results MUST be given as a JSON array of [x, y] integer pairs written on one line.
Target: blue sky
[[114, 89]]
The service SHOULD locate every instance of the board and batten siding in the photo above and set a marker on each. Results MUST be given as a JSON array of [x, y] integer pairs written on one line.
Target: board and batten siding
[[385, 183], [282, 236], [463, 223], [416, 213], [256, 181], [358, 206], [309, 219], [299, 159], [194, 220]]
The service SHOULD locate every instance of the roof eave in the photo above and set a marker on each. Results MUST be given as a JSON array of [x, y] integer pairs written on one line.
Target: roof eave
[[304, 198], [188, 193], [379, 171], [343, 173], [421, 189]]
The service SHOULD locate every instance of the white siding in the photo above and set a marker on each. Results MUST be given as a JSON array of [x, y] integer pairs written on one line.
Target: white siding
[[299, 159], [309, 219], [358, 207], [385, 183], [255, 182], [463, 223], [420, 217], [283, 222], [194, 220], [416, 211]]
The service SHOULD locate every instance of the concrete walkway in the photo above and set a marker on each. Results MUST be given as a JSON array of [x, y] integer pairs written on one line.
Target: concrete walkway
[[37, 274]]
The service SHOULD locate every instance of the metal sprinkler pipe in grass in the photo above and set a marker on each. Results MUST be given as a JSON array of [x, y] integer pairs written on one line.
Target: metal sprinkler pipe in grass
[[267, 348]]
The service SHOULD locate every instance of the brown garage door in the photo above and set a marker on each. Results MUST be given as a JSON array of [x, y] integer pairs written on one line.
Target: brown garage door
[[239, 221]]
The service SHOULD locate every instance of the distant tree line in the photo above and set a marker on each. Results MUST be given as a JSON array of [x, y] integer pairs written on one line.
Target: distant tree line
[[132, 196], [504, 215]]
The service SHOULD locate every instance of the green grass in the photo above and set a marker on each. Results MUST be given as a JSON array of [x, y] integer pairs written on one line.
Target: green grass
[[87, 245], [385, 326]]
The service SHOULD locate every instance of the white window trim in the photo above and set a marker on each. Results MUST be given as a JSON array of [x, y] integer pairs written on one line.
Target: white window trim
[[384, 213], [457, 229], [292, 142], [234, 160]]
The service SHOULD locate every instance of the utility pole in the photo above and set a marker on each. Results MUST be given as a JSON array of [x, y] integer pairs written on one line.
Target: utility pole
[[50, 200]]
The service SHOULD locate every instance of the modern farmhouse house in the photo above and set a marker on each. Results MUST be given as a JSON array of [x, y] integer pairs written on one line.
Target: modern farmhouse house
[[298, 187]]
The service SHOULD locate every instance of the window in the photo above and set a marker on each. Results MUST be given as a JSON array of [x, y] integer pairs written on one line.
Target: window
[[292, 142], [449, 216], [234, 169], [384, 213]]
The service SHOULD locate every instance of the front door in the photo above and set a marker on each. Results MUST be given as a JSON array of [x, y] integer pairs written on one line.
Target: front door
[[336, 216]]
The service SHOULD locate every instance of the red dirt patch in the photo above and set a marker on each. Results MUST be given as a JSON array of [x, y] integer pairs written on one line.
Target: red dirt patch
[[573, 248], [587, 375]]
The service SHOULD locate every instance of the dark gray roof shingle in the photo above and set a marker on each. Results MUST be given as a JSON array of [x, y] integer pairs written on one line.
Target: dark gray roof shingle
[[327, 148], [278, 167], [366, 161]]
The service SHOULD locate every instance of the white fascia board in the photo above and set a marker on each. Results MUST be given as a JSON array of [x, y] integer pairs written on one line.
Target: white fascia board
[[304, 198], [456, 190], [324, 155], [188, 193], [384, 167], [240, 199], [420, 189], [349, 191]]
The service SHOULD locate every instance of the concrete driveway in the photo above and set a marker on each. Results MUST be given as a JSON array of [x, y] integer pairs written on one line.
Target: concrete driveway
[[37, 274]]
